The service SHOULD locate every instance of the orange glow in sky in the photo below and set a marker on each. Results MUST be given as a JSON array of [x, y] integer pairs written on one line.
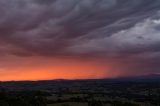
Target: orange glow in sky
[[53, 73], [47, 69]]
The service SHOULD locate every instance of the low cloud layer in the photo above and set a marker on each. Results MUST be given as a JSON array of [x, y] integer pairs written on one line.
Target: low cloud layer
[[123, 29]]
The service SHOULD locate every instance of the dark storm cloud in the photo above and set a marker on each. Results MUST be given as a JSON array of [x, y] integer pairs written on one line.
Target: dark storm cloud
[[79, 27]]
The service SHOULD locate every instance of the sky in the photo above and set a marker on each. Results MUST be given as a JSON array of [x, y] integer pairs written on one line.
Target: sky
[[78, 39]]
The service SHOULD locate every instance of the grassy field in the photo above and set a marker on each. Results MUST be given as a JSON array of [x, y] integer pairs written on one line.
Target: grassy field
[[72, 104], [68, 104], [81, 93]]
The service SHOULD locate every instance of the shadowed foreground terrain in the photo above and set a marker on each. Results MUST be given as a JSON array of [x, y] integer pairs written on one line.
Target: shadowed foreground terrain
[[104, 92]]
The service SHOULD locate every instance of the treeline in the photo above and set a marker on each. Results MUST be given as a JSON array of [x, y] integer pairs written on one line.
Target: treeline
[[22, 98], [39, 98]]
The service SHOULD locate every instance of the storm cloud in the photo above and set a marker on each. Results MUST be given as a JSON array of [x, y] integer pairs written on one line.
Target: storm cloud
[[123, 29]]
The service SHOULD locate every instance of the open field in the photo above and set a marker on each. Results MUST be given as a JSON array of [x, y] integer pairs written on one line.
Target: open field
[[81, 93]]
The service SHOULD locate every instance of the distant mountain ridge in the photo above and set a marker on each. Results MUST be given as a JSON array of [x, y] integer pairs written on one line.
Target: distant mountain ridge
[[62, 83], [144, 77], [148, 77]]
